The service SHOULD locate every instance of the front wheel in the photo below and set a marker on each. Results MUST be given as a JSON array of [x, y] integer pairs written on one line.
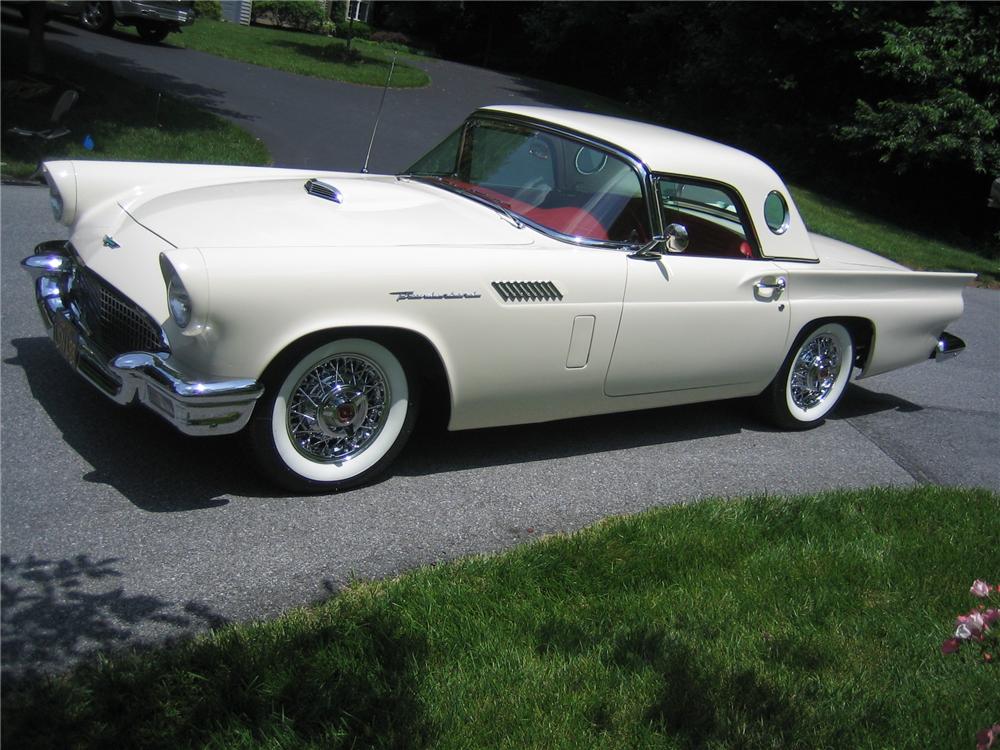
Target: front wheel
[[336, 417], [812, 380]]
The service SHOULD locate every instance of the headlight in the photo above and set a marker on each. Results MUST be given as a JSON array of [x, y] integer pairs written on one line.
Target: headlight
[[187, 298], [55, 198], [60, 176], [178, 301]]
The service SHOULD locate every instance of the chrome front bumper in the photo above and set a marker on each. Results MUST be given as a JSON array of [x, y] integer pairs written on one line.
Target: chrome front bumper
[[195, 406], [948, 346]]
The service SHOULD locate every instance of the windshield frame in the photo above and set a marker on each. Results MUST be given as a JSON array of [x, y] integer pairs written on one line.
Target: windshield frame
[[640, 169]]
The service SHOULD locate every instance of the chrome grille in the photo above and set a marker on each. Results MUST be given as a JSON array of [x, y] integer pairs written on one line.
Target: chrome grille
[[527, 291], [116, 323]]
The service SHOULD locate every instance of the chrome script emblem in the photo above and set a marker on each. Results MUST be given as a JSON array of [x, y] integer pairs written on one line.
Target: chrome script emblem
[[108, 242], [405, 296]]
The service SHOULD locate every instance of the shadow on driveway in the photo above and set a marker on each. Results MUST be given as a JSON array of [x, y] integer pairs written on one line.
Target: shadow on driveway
[[55, 611], [161, 470]]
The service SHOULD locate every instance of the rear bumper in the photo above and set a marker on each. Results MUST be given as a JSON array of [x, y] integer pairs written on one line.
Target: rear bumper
[[194, 405], [948, 346]]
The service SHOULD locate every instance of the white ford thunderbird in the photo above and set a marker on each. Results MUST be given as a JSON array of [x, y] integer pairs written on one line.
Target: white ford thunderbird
[[538, 264]]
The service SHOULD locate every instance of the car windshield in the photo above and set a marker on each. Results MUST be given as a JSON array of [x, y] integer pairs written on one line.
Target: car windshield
[[552, 182]]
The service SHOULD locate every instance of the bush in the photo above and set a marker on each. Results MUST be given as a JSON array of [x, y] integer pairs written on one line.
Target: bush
[[211, 9], [354, 30], [390, 37], [304, 16]]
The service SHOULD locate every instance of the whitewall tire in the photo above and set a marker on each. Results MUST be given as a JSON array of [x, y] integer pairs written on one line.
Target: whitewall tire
[[334, 417], [813, 378]]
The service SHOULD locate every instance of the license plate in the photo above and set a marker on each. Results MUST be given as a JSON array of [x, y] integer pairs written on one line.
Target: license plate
[[64, 336]]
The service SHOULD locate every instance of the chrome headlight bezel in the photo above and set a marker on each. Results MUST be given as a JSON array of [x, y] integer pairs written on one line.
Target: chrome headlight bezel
[[186, 280], [55, 197], [178, 302]]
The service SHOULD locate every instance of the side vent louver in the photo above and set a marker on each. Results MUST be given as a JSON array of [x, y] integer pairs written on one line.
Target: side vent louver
[[323, 189], [527, 291]]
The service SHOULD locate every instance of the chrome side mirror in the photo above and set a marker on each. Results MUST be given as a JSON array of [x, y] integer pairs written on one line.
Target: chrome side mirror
[[676, 237]]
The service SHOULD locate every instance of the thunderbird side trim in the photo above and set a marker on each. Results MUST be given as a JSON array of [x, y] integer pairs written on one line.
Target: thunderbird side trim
[[410, 295]]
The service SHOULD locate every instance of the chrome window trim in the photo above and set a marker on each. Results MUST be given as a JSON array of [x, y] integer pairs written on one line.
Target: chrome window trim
[[637, 165], [741, 207]]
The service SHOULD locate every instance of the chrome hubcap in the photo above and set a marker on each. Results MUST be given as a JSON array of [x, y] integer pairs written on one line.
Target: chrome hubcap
[[337, 409], [815, 372]]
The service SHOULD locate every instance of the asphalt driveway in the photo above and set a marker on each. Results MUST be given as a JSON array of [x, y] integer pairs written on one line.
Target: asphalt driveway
[[116, 530], [308, 122]]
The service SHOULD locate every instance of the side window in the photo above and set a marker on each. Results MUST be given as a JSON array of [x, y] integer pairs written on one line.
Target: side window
[[712, 215]]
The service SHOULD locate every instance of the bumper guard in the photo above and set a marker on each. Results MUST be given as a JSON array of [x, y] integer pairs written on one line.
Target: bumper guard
[[948, 346]]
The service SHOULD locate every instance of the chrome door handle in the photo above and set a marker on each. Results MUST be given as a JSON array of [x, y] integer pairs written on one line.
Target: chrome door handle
[[779, 284]]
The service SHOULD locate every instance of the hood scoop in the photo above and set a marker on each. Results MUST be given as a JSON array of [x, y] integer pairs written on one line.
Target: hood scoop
[[323, 189]]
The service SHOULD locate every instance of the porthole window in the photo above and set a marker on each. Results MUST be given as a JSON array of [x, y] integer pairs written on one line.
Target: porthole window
[[776, 212], [590, 161]]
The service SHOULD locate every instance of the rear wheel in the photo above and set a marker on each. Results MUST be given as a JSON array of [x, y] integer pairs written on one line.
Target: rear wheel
[[335, 417], [97, 16], [812, 380]]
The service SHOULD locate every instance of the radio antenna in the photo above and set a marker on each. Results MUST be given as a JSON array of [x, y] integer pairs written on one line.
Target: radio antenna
[[364, 169]]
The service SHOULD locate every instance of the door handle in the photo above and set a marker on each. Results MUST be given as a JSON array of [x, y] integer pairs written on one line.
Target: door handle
[[766, 290], [779, 283]]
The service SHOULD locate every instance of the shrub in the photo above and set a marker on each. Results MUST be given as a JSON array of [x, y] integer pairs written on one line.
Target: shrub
[[390, 37], [354, 30], [211, 9], [304, 16]]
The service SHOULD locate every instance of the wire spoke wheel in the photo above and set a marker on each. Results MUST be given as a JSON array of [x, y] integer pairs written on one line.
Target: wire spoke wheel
[[812, 380], [335, 416], [338, 408], [815, 372]]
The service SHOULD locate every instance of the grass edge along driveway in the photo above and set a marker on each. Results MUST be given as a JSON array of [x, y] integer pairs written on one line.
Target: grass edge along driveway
[[301, 53], [764, 622], [125, 121]]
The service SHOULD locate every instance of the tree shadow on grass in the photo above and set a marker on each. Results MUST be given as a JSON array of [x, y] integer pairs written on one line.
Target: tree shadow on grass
[[339, 682], [701, 705]]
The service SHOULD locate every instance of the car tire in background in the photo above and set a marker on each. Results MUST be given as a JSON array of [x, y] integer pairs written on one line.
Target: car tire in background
[[333, 416], [152, 32], [97, 16], [812, 379]]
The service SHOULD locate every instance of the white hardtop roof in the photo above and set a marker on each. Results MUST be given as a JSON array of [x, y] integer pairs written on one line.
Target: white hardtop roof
[[661, 149], [672, 152]]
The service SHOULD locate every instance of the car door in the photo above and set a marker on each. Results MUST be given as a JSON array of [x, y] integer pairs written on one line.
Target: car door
[[714, 316]]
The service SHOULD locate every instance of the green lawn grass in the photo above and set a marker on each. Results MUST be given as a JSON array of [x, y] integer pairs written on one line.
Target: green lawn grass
[[759, 623], [125, 121], [912, 249], [298, 52]]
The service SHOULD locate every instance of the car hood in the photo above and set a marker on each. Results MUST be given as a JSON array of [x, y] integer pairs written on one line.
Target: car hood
[[374, 210]]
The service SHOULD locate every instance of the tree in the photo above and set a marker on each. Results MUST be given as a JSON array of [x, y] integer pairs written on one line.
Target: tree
[[937, 91]]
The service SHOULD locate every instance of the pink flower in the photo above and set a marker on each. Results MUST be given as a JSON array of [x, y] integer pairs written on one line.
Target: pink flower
[[990, 616], [985, 737], [969, 625], [980, 588], [950, 646]]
